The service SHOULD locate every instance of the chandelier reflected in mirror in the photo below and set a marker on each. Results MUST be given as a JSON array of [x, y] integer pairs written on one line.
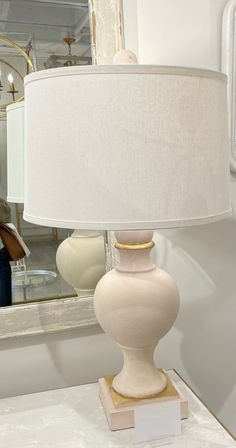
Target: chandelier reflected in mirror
[[69, 59], [12, 70]]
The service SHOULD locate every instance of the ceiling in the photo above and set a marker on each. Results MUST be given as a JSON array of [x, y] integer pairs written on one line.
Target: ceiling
[[46, 22]]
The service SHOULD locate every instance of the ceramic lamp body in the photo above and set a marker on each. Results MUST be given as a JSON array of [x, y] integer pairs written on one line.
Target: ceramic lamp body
[[81, 260], [136, 304]]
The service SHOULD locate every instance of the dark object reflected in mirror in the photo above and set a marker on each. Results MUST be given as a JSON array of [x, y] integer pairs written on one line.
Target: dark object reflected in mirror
[[5, 279], [5, 268]]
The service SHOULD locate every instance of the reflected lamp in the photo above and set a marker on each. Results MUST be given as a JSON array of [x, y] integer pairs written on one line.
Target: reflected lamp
[[80, 258]]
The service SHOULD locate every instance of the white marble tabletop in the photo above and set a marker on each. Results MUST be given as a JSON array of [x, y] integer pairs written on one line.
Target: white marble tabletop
[[74, 418]]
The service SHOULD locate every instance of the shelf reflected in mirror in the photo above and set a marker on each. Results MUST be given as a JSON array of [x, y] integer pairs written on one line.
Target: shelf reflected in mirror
[[36, 278]]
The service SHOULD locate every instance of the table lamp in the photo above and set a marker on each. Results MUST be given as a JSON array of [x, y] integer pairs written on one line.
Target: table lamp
[[130, 148]]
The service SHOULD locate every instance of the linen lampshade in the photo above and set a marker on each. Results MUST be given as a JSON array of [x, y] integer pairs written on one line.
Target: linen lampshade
[[126, 147], [15, 152]]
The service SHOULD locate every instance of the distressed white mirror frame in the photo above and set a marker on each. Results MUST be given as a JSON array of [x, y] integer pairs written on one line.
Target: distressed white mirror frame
[[229, 67], [106, 20]]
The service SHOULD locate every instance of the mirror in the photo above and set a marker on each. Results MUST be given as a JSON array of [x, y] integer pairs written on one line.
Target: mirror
[[52, 34], [107, 38]]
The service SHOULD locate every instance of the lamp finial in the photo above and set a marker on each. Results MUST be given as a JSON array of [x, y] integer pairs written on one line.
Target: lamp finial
[[125, 57]]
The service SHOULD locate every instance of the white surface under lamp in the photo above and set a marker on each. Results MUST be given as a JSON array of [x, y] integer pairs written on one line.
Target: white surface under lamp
[[151, 151]]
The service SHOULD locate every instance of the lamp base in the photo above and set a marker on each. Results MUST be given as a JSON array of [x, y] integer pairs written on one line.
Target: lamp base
[[119, 410]]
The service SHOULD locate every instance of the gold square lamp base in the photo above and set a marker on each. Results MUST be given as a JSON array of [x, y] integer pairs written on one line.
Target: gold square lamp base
[[119, 410]]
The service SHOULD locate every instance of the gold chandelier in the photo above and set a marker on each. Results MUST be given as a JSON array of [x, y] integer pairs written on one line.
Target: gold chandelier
[[7, 83]]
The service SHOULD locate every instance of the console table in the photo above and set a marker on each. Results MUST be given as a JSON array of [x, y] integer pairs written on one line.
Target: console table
[[73, 418]]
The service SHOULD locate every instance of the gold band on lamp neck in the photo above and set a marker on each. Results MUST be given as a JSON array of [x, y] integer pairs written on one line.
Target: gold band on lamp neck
[[135, 246]]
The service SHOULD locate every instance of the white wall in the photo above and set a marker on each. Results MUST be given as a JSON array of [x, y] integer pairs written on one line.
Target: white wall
[[179, 32], [202, 260], [33, 364]]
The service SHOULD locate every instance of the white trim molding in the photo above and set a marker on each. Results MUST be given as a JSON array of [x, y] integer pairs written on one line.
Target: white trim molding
[[229, 67]]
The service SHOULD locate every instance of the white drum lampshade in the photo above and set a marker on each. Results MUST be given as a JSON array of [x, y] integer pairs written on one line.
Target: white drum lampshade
[[15, 152], [128, 148]]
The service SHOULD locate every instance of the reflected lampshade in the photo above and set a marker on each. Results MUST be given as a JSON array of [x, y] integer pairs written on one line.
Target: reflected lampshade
[[15, 152]]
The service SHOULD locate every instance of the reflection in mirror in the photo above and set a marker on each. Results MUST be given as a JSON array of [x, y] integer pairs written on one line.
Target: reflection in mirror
[[52, 34]]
